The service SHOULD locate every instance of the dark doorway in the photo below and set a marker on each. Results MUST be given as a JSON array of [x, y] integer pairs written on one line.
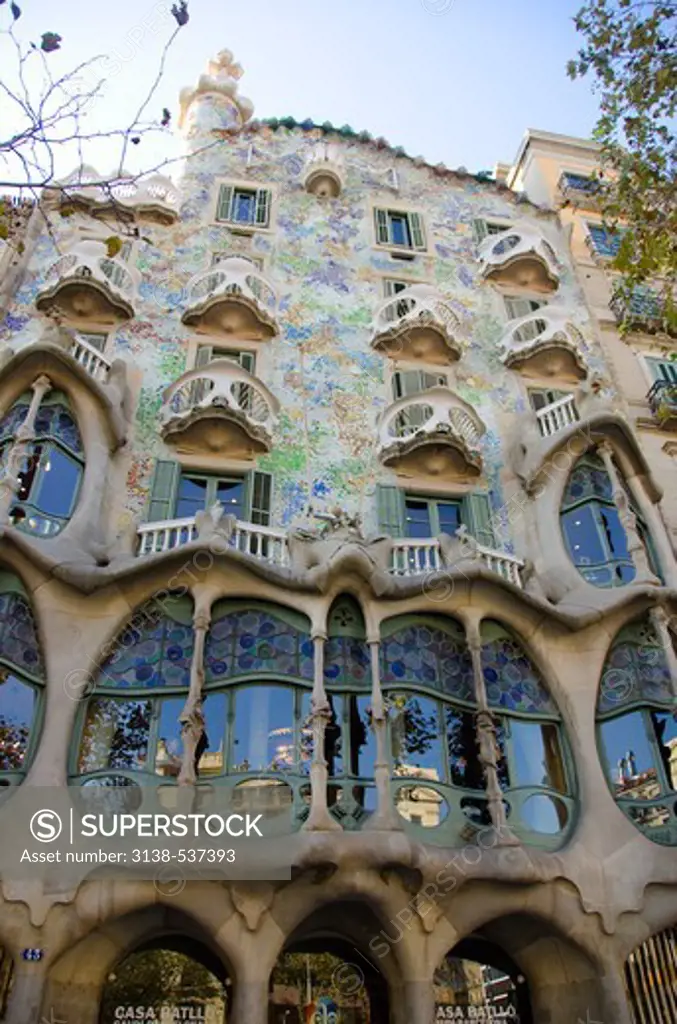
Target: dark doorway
[[478, 981]]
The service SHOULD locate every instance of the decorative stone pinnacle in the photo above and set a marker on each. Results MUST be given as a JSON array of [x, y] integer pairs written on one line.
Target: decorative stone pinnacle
[[223, 65]]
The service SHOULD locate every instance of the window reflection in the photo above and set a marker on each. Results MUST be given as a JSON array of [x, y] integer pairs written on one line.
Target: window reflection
[[169, 746], [17, 706], [537, 757], [630, 756], [463, 752], [263, 732], [115, 735], [665, 727], [416, 737]]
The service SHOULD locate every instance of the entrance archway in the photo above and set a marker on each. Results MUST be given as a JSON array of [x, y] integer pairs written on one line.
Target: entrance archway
[[325, 974], [170, 978], [478, 981]]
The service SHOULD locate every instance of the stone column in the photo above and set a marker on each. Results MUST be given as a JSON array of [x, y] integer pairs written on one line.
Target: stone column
[[319, 819], [636, 549], [657, 528], [487, 742], [250, 1005], [385, 817], [192, 716], [419, 998], [660, 619], [28, 987], [9, 484]]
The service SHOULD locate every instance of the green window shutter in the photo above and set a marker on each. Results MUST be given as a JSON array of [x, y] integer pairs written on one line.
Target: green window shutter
[[223, 208], [479, 230], [479, 519], [382, 233], [258, 497], [662, 369], [247, 361], [390, 510], [203, 356], [163, 490], [416, 228], [262, 207]]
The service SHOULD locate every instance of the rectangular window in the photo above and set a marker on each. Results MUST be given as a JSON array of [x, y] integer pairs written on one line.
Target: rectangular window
[[246, 206], [517, 306], [96, 340], [542, 397], [412, 382], [428, 517], [401, 229], [580, 182], [206, 354], [605, 243], [483, 228], [197, 493], [662, 369]]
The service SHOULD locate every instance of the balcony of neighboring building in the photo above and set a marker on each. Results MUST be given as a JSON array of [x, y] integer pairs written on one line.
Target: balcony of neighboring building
[[220, 407], [582, 191], [662, 398], [416, 322], [88, 284], [233, 297], [545, 343], [324, 173], [520, 255], [433, 432], [642, 310]]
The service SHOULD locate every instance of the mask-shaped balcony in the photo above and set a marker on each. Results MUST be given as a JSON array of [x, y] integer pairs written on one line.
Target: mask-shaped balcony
[[544, 343], [434, 432], [89, 284], [155, 196], [219, 408], [323, 174], [417, 323], [520, 256], [232, 298]]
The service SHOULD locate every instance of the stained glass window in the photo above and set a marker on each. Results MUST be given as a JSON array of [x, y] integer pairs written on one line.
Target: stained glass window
[[430, 656], [512, 683], [19, 644], [21, 672], [255, 641], [347, 659], [636, 670], [154, 650]]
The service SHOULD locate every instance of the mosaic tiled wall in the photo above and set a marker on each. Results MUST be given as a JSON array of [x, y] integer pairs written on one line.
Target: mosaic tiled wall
[[321, 259]]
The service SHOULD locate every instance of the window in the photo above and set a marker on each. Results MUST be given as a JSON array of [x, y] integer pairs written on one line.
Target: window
[[579, 182], [662, 369], [592, 527], [404, 230], [429, 517], [405, 514], [206, 354], [540, 398], [96, 340], [412, 382], [516, 307], [197, 493], [219, 257], [427, 679], [52, 470], [391, 287], [604, 243], [483, 228], [246, 206], [637, 730]]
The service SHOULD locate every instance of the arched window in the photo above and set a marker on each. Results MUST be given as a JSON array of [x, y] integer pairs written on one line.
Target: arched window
[[52, 469], [427, 678], [594, 534], [637, 731], [22, 677]]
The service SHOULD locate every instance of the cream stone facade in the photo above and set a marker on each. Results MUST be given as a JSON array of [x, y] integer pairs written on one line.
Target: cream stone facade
[[328, 483]]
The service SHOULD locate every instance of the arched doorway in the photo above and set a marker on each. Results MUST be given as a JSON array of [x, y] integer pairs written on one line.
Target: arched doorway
[[478, 981], [171, 978], [325, 975]]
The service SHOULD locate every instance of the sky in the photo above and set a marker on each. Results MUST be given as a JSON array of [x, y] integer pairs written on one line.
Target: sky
[[456, 81]]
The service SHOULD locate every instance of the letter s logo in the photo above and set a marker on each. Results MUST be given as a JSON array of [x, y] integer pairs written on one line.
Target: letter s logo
[[46, 826]]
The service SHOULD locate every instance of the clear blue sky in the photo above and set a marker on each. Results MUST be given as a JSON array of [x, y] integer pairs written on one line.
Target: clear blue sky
[[459, 86]]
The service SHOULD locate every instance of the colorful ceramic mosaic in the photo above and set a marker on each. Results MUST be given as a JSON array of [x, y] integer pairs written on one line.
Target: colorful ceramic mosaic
[[512, 683], [19, 645], [428, 656], [247, 642], [636, 671], [153, 651]]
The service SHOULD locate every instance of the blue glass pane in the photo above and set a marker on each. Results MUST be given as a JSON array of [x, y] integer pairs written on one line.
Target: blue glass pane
[[13, 420], [362, 739], [263, 732], [58, 482], [347, 661], [56, 421], [153, 651], [18, 635], [115, 735], [582, 537], [231, 495], [465, 769], [536, 754], [589, 479], [249, 641], [428, 656], [634, 673], [192, 497], [399, 231], [449, 515], [243, 207], [613, 531], [416, 737], [511, 680], [417, 519], [17, 708], [630, 757]]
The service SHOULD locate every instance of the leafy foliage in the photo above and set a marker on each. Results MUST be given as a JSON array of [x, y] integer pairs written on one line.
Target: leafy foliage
[[631, 48], [159, 978]]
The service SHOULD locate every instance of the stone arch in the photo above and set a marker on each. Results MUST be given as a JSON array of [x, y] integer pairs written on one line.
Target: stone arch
[[76, 979]]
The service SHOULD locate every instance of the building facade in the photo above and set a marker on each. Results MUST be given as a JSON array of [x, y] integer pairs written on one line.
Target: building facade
[[322, 488]]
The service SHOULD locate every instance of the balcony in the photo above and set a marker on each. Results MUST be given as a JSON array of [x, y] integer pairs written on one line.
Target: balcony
[[520, 256], [580, 191], [545, 344], [410, 557], [219, 408], [90, 359], [154, 197], [233, 298], [433, 432], [557, 416], [88, 284], [643, 310], [323, 173], [417, 323], [662, 399]]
